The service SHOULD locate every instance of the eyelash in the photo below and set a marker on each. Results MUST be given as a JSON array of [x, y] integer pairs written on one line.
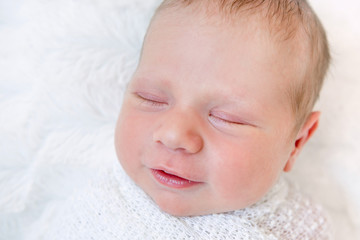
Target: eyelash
[[223, 121], [150, 102]]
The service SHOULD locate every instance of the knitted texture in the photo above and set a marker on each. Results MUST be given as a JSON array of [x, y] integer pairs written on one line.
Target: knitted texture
[[114, 207]]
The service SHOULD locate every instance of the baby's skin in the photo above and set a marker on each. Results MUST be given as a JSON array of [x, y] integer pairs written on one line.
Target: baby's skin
[[206, 124]]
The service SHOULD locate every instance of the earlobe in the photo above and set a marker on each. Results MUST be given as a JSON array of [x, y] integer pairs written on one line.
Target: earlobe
[[302, 137]]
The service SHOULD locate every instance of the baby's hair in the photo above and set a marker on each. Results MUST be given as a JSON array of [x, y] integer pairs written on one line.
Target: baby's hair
[[288, 20]]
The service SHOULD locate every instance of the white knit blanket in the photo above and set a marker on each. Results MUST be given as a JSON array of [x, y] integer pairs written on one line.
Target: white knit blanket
[[113, 207]]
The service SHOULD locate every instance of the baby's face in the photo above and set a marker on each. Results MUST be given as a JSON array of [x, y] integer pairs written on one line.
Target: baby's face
[[206, 120]]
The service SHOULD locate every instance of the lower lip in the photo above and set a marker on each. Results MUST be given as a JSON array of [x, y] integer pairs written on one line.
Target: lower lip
[[172, 181]]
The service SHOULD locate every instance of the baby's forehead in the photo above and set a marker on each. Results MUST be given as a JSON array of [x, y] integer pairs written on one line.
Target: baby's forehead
[[221, 52], [280, 26], [289, 42]]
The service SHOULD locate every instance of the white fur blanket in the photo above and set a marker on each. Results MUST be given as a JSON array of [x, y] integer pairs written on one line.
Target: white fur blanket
[[63, 68]]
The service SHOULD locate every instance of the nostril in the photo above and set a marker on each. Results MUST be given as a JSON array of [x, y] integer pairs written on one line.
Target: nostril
[[180, 149]]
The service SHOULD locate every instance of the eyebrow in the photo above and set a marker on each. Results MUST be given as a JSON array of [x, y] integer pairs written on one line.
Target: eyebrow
[[151, 80]]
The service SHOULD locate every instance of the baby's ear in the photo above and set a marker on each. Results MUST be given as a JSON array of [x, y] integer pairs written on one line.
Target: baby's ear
[[302, 137]]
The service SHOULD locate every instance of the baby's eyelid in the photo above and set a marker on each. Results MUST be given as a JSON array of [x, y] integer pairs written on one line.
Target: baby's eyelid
[[226, 118], [150, 97]]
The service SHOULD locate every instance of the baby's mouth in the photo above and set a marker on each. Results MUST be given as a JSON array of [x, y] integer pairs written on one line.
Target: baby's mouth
[[171, 180]]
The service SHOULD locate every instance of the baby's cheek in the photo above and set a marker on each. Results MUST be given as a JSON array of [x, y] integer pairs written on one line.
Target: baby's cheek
[[229, 175], [133, 133], [126, 132], [238, 177]]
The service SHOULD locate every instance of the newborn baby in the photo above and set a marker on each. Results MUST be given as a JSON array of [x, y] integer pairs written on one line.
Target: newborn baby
[[218, 108]]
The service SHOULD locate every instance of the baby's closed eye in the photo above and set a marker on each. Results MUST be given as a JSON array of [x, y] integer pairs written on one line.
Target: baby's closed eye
[[220, 119], [150, 100]]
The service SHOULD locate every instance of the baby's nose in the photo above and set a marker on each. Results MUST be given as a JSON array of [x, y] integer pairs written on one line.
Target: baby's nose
[[179, 132]]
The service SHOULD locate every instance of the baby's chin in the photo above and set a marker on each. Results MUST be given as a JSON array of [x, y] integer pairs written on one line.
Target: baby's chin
[[182, 211], [189, 210], [174, 208], [177, 211]]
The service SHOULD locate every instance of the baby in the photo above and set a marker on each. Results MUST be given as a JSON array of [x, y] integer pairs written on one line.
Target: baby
[[219, 106]]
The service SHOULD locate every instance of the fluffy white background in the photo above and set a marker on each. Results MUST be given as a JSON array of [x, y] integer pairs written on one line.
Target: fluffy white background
[[63, 67]]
